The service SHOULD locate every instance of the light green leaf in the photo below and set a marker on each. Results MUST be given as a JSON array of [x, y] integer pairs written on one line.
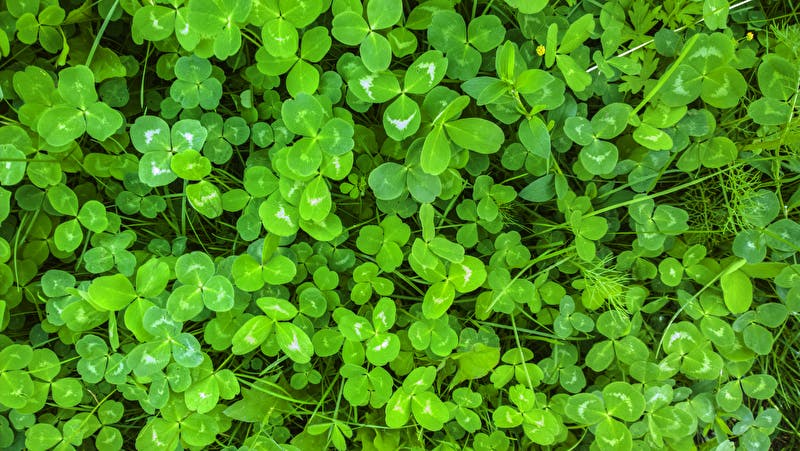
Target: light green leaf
[[599, 157], [767, 111], [294, 342], [671, 271], [76, 86], [683, 86], [304, 115], [194, 268], [300, 14], [155, 169], [185, 302], [612, 435], [777, 77], [188, 134], [186, 351], [302, 78], [315, 203], [448, 31], [652, 138], [336, 137], [42, 436], [436, 152], [279, 270], [153, 22], [70, 125], [388, 181], [723, 87], [737, 291], [506, 417], [12, 164], [276, 308], [715, 13], [475, 363], [152, 278], [349, 28], [382, 349], [111, 293], [190, 165], [429, 411], [759, 386], [374, 88], [398, 409], [476, 134], [67, 392], [158, 434], [93, 216], [68, 236], [376, 52], [611, 120], [425, 72], [203, 395], [315, 44], [576, 77], [579, 130], [278, 216], [468, 275], [218, 294], [251, 334], [438, 298], [63, 199], [402, 118], [150, 133], [486, 32], [579, 31], [623, 401], [384, 13], [205, 197]]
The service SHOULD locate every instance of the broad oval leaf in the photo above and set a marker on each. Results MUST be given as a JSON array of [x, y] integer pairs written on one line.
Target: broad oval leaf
[[294, 342], [476, 134]]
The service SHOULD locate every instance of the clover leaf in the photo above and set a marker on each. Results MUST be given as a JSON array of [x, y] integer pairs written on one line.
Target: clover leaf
[[195, 85], [283, 18], [80, 111], [159, 142], [350, 28], [13, 162], [706, 73], [463, 45]]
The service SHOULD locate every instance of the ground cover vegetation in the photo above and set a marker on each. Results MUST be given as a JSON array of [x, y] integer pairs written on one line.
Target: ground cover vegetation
[[383, 225]]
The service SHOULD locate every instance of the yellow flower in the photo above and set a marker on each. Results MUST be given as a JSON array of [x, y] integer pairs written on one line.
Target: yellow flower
[[749, 36], [540, 50]]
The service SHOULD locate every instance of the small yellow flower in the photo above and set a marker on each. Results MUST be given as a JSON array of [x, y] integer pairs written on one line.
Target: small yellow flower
[[749, 36], [540, 50]]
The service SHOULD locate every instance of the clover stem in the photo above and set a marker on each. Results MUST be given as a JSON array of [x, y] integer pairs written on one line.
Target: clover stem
[[144, 74], [663, 80], [183, 209], [100, 32], [661, 193], [519, 346]]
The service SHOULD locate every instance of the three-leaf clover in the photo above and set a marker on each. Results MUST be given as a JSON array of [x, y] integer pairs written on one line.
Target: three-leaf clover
[[349, 27], [464, 44], [706, 73], [416, 397], [302, 76], [159, 143], [79, 112], [382, 346], [199, 287], [195, 86], [278, 313]]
